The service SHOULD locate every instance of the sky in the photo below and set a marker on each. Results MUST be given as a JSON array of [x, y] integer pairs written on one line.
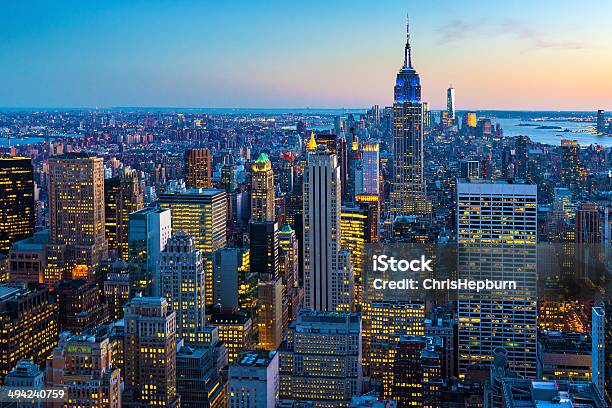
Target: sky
[[526, 55]]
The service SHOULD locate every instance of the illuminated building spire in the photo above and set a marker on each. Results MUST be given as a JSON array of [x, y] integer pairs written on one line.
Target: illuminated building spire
[[312, 143], [407, 50]]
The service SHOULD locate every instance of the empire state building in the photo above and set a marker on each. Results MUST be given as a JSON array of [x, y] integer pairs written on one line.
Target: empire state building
[[408, 195]]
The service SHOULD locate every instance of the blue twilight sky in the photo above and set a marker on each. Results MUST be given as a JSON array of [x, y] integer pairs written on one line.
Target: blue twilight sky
[[508, 55]]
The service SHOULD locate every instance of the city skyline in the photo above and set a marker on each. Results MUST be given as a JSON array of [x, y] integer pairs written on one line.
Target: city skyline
[[390, 257], [275, 56]]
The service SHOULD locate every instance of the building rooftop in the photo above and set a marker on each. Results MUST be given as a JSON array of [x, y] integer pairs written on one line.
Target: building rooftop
[[564, 342], [522, 393], [495, 181], [206, 192], [36, 242], [255, 358]]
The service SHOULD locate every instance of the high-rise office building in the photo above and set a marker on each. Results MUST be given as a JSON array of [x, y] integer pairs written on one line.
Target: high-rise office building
[[83, 367], [325, 280], [123, 194], [383, 323], [496, 235], [289, 269], [417, 373], [264, 248], [17, 209], [587, 224], [202, 214], [371, 203], [28, 325], [271, 316], [81, 306], [253, 380], [198, 380], [198, 168], [572, 173], [77, 242], [150, 354], [28, 258], [264, 260], [148, 232], [355, 226], [371, 169], [230, 265], [601, 122], [116, 287], [598, 344], [521, 157], [408, 195], [236, 331], [471, 119], [183, 284], [262, 192], [450, 104], [331, 344]]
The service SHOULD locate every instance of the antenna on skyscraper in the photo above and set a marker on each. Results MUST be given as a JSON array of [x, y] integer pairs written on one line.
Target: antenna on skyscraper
[[407, 51]]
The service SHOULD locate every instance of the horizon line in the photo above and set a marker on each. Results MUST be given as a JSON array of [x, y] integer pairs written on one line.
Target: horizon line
[[304, 108]]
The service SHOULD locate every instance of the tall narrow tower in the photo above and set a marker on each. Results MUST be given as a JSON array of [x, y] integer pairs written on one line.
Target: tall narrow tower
[[327, 280], [408, 187], [450, 103], [77, 242], [262, 195]]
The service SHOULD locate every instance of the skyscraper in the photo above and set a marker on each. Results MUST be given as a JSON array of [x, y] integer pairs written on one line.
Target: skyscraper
[[123, 194], [324, 280], [289, 244], [521, 157], [417, 372], [330, 343], [587, 224], [383, 324], [408, 195], [77, 243], [148, 232], [601, 122], [355, 226], [571, 170], [28, 325], [450, 104], [371, 173], [183, 284], [262, 193], [150, 354], [264, 261], [197, 168], [598, 344], [264, 248], [202, 214], [496, 235], [17, 210]]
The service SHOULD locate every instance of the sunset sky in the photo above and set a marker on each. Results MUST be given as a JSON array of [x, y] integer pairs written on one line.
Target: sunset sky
[[498, 55]]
